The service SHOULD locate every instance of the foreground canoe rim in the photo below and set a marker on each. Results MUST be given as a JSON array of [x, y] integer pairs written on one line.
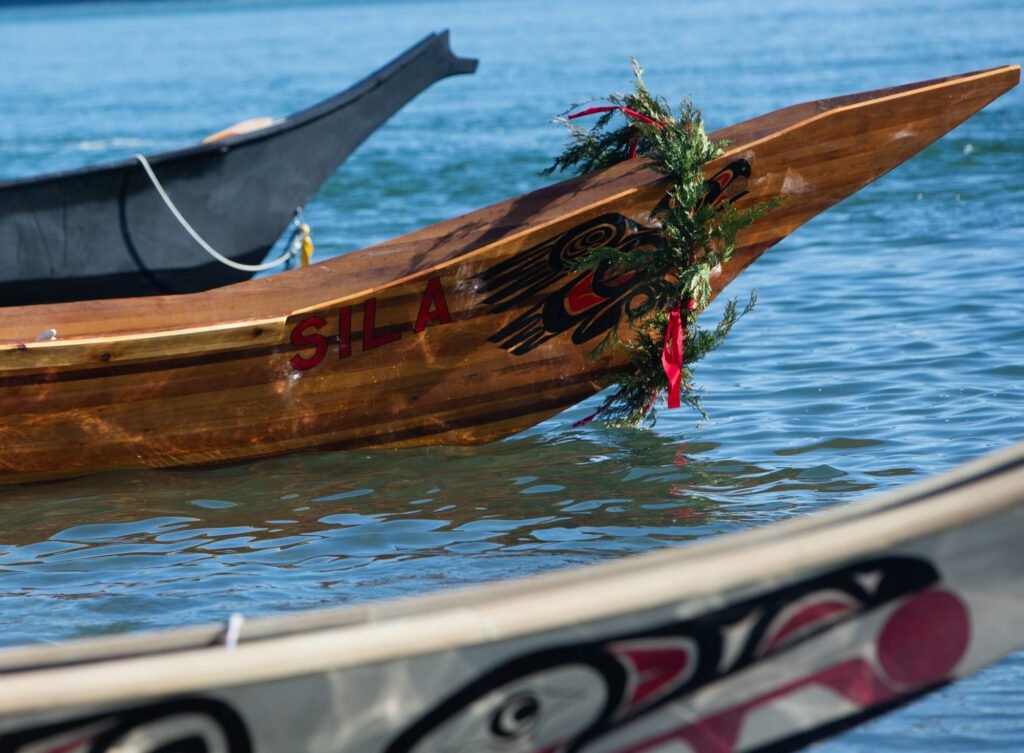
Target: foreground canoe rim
[[922, 586], [460, 333]]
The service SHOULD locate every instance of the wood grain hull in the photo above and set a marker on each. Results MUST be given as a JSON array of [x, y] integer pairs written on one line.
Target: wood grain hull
[[463, 332], [757, 642]]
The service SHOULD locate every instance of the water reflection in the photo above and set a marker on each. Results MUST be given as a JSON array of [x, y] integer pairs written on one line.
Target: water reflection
[[164, 548]]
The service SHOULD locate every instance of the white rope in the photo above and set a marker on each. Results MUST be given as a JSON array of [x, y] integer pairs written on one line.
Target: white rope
[[198, 239]]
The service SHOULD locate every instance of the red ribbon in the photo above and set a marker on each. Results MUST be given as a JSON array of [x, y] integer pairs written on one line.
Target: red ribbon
[[620, 108], [672, 355], [625, 111]]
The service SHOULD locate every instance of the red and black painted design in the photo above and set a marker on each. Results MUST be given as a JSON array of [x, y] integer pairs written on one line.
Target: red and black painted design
[[589, 303], [727, 185], [618, 681], [195, 725]]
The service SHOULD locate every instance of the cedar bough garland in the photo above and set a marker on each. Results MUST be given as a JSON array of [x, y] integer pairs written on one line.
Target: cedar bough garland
[[698, 237]]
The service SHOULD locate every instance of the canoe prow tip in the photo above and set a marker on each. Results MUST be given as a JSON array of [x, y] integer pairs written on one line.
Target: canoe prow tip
[[1008, 75], [1011, 73], [459, 65]]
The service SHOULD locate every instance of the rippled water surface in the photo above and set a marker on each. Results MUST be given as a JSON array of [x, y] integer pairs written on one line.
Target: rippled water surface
[[888, 344]]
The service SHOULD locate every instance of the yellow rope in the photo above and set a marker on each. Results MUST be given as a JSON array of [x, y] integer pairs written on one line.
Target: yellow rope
[[307, 245]]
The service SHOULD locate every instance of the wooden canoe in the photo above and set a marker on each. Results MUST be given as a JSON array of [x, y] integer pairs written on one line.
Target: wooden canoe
[[463, 332], [104, 232], [757, 642]]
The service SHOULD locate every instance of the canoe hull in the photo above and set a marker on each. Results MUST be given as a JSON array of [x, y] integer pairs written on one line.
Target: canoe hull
[[762, 641], [105, 233], [464, 332]]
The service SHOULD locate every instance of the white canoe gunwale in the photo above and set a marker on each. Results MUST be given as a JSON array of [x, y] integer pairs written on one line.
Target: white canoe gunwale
[[964, 523]]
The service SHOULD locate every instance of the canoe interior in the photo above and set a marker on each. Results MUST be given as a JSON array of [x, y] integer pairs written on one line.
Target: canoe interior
[[103, 232]]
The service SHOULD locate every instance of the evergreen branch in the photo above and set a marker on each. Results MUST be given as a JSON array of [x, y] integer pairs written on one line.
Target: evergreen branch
[[697, 238]]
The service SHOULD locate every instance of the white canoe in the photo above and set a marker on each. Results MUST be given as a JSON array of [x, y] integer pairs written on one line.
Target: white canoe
[[760, 641]]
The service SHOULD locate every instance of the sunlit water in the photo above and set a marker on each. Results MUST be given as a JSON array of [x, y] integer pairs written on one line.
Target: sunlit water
[[888, 344]]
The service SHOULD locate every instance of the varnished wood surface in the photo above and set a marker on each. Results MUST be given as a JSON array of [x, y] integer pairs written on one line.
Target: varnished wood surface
[[210, 377]]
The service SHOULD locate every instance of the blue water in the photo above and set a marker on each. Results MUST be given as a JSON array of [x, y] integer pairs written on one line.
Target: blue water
[[888, 344]]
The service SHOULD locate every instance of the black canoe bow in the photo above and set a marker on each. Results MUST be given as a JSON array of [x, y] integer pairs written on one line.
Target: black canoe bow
[[104, 232]]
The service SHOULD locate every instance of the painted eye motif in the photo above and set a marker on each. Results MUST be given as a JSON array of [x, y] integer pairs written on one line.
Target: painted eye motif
[[537, 711], [516, 717]]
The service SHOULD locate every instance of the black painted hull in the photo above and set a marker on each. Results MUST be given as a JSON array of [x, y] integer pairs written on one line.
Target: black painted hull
[[105, 233]]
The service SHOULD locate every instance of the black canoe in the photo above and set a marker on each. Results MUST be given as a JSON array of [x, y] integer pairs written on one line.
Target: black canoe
[[104, 232]]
